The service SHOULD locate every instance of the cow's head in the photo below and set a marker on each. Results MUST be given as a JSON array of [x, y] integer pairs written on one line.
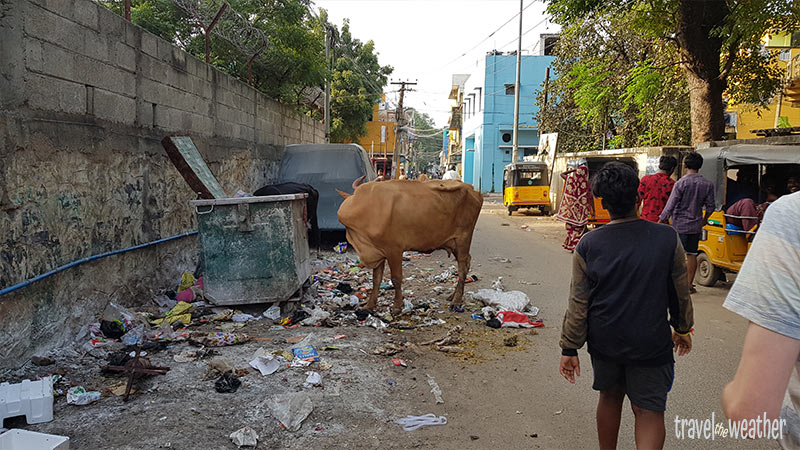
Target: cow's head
[[356, 183]]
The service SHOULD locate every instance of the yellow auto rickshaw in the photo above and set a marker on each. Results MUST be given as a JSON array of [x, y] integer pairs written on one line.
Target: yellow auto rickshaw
[[526, 185], [738, 171]]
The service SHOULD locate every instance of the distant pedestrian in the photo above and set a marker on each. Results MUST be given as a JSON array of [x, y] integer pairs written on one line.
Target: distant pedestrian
[[628, 288], [402, 175], [576, 205], [654, 190], [767, 293], [689, 196], [451, 174]]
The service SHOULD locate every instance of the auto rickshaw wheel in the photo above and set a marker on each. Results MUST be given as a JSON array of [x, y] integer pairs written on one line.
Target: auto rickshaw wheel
[[707, 273], [511, 209]]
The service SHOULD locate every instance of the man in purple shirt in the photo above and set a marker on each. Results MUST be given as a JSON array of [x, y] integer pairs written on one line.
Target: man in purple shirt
[[689, 196]]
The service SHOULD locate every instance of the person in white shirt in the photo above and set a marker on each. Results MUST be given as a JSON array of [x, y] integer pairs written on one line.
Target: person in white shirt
[[451, 174]]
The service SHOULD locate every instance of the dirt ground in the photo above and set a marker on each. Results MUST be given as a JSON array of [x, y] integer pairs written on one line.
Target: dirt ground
[[494, 395]]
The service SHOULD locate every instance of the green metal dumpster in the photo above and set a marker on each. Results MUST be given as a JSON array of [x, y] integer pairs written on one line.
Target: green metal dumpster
[[253, 249]]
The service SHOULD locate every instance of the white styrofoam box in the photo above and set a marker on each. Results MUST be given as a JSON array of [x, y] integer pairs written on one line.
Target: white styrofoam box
[[32, 399], [16, 439]]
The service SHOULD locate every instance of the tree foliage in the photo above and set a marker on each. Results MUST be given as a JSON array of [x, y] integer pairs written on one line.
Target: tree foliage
[[715, 43], [292, 62], [610, 82], [357, 84]]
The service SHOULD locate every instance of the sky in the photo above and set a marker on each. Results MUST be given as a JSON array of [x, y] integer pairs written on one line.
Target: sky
[[426, 40]]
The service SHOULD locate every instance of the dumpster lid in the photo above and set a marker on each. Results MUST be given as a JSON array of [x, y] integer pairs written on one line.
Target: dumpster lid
[[239, 200]]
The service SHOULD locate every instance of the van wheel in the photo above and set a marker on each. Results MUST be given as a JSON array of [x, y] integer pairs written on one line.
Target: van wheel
[[707, 273]]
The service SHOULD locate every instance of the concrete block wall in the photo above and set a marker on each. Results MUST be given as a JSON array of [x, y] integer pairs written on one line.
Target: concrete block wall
[[85, 99]]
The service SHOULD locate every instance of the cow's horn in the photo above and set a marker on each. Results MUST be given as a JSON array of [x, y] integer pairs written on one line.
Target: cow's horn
[[358, 181]]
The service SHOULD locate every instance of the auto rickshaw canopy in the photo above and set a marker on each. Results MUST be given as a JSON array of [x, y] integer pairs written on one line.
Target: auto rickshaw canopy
[[717, 160]]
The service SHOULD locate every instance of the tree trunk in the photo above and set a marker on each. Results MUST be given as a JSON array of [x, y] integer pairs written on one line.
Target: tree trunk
[[700, 52]]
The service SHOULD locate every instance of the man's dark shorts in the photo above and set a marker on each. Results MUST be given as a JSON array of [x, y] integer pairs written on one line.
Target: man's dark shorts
[[690, 242], [646, 387]]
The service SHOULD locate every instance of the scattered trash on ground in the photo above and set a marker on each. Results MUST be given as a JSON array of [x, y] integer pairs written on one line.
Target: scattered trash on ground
[[411, 423], [503, 300], [78, 395], [244, 437], [227, 383], [291, 409], [514, 319], [435, 390], [314, 379], [265, 363]]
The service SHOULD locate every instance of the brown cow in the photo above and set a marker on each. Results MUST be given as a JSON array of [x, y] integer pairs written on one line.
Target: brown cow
[[385, 219]]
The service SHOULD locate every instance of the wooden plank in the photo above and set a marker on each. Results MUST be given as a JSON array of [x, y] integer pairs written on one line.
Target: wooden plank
[[192, 167]]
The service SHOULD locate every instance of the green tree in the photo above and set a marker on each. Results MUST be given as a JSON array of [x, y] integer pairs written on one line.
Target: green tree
[[613, 88], [717, 44], [357, 84]]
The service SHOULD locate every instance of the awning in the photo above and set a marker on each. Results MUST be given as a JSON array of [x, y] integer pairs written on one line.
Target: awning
[[716, 161]]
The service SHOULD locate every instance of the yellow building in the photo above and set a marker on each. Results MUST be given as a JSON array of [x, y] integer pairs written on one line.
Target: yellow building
[[379, 140], [785, 108]]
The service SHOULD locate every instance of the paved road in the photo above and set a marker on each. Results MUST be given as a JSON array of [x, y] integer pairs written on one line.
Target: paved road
[[503, 402]]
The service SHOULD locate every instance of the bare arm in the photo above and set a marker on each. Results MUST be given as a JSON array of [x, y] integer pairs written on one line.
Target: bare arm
[[566, 173], [763, 374]]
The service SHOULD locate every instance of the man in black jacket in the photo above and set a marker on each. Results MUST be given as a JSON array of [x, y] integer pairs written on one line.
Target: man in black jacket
[[626, 276]]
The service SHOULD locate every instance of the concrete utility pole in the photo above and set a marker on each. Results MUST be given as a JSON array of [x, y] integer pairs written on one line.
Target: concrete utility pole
[[400, 123], [328, 84], [515, 152]]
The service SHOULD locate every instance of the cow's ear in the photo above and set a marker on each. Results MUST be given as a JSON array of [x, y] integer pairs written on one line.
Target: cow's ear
[[343, 194]]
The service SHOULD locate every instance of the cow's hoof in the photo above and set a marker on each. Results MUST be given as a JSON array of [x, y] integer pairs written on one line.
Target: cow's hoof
[[457, 308], [395, 312]]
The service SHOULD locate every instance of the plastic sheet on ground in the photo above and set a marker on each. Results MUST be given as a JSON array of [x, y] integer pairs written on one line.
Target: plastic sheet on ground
[[273, 312], [291, 409], [244, 437], [77, 395], [503, 300], [265, 363]]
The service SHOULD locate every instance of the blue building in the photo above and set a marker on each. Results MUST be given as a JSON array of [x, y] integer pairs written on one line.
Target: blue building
[[488, 116]]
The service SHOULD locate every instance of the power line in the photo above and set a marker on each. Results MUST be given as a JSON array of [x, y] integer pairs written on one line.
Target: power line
[[487, 37]]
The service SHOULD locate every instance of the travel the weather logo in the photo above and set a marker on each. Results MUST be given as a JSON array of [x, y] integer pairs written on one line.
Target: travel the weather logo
[[710, 429]]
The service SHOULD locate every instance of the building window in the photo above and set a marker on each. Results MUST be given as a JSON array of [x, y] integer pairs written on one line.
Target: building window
[[509, 89], [506, 137]]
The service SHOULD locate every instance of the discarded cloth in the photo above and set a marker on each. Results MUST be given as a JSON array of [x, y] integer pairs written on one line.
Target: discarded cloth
[[513, 319]]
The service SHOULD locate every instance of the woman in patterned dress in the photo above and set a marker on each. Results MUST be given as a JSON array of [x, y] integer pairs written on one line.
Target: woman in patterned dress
[[576, 205]]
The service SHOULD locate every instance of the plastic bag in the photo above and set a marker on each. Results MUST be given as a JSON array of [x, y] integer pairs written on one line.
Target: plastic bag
[[273, 312], [313, 379], [78, 395], [244, 437], [291, 409], [503, 301]]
